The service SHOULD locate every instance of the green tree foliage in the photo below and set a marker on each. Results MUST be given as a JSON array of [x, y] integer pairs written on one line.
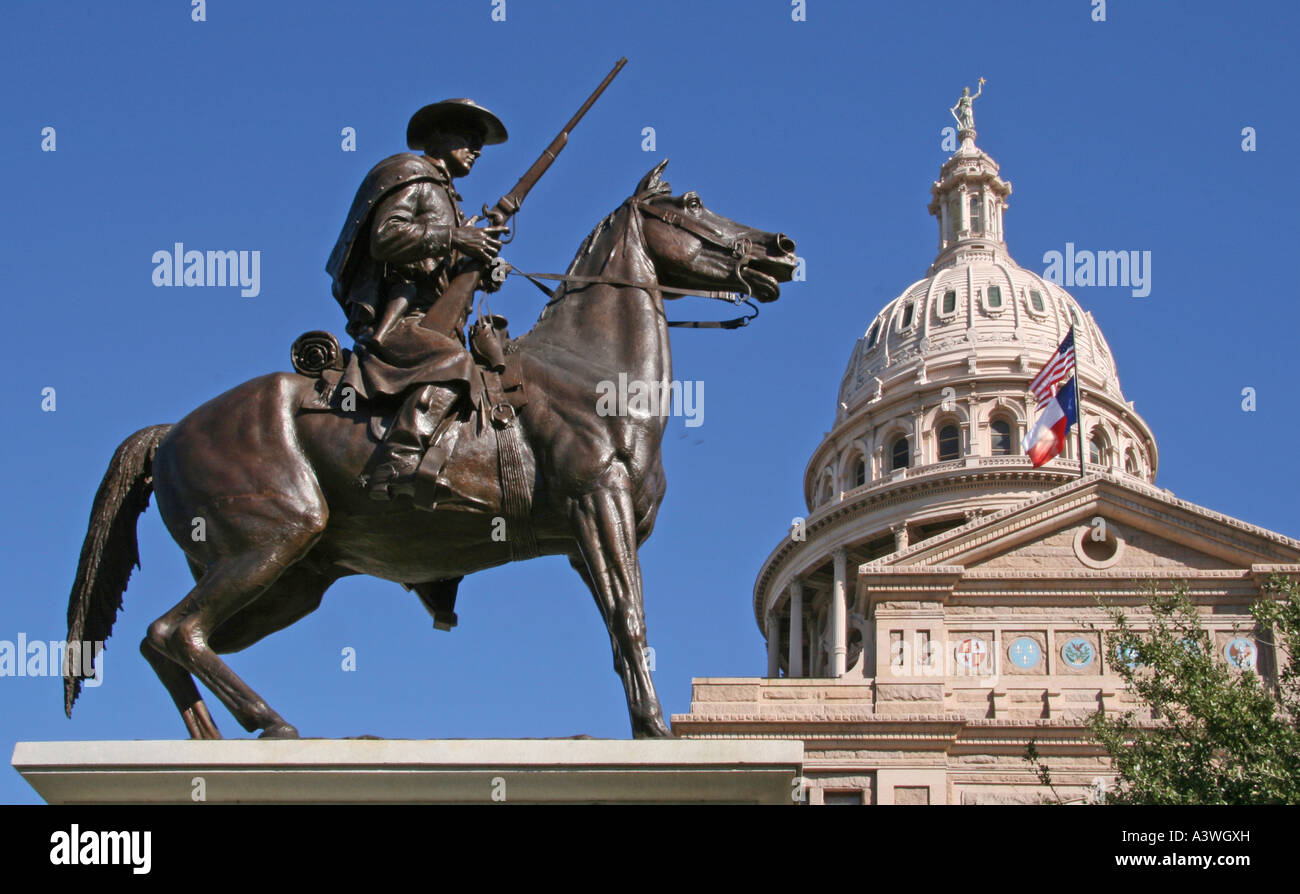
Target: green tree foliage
[[1221, 735]]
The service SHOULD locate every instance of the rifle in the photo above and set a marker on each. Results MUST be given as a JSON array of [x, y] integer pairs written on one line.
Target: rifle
[[460, 291]]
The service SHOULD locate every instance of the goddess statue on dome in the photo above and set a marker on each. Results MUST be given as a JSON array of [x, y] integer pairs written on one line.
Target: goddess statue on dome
[[964, 110]]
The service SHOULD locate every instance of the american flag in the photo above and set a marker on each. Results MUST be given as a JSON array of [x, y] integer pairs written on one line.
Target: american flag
[[1057, 371]]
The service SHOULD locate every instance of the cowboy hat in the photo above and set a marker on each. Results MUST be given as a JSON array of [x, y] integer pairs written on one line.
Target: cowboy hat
[[454, 114]]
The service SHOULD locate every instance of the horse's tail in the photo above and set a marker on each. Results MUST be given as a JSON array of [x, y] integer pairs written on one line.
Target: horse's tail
[[108, 554]]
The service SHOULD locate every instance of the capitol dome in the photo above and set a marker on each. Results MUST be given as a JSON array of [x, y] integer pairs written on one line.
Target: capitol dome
[[977, 324], [935, 402], [975, 303], [985, 308]]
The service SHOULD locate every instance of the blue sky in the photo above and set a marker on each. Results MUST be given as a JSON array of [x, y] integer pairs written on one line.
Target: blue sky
[[225, 134]]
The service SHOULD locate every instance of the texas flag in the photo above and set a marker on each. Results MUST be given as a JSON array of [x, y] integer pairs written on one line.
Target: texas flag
[[1047, 438]]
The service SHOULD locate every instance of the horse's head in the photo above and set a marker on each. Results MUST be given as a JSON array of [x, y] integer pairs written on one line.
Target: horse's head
[[694, 248]]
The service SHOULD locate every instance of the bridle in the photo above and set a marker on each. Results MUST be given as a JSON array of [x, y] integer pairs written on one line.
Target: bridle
[[739, 248]]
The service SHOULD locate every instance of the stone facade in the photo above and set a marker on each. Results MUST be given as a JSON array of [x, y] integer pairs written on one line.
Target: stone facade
[[937, 609]]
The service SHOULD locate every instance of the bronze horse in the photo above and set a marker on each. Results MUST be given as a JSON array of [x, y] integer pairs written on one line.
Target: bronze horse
[[275, 487]]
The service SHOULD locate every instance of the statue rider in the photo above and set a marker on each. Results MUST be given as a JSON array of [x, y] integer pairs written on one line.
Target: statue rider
[[404, 240]]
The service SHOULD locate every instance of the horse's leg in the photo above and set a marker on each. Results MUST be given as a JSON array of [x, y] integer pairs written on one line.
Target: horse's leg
[[580, 565], [605, 527], [295, 595], [185, 695], [180, 685], [231, 583]]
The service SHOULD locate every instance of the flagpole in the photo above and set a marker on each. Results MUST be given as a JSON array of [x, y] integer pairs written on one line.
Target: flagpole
[[1078, 405]]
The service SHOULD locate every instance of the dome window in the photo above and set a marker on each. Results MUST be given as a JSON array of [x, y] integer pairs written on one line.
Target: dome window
[[1094, 452], [907, 316], [949, 443], [1001, 430], [825, 494], [1036, 299], [995, 296], [859, 472], [950, 301], [1130, 463], [875, 333], [900, 454], [1074, 317]]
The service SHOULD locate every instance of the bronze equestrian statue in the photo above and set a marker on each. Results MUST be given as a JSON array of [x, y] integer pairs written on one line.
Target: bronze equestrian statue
[[271, 466]]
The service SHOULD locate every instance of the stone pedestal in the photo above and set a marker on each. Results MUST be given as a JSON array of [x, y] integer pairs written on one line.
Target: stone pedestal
[[397, 771]]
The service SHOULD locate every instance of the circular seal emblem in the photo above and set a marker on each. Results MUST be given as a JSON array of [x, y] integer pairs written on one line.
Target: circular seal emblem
[[1240, 653], [972, 654], [1025, 653], [1078, 652]]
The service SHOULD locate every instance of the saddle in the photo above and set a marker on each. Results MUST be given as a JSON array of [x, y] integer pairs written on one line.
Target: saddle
[[317, 355]]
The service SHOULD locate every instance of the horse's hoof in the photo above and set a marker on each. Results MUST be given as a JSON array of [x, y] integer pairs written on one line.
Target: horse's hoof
[[279, 731]]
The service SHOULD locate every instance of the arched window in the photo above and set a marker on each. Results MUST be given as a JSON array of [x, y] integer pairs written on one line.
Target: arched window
[[1001, 434], [1096, 451], [949, 443], [975, 225], [859, 472], [900, 454], [824, 496], [1131, 464]]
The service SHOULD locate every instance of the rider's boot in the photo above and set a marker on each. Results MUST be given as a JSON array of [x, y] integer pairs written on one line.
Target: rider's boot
[[407, 440]]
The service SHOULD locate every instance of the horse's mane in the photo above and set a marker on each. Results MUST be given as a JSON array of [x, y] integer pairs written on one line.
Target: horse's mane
[[589, 244], [656, 187], [585, 251]]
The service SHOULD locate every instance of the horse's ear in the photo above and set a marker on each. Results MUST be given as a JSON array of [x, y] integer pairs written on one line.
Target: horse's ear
[[650, 182]]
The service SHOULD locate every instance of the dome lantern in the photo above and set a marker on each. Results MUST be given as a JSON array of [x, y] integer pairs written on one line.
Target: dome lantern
[[969, 198]]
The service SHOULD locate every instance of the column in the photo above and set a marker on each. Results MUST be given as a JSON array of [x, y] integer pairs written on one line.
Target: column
[[795, 660], [815, 634], [900, 535], [839, 615], [773, 644]]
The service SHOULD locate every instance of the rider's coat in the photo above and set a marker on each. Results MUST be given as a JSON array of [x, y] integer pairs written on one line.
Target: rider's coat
[[396, 243]]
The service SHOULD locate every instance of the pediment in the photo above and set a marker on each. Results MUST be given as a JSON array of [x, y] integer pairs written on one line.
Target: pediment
[[1101, 522]]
